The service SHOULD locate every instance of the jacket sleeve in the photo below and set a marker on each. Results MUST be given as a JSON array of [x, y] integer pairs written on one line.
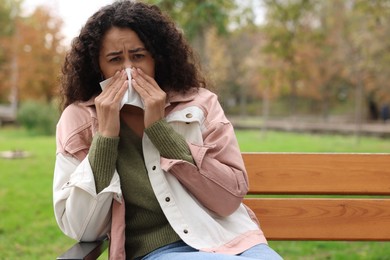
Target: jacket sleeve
[[80, 212], [218, 179]]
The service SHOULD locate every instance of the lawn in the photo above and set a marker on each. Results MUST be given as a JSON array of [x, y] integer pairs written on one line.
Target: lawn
[[28, 229]]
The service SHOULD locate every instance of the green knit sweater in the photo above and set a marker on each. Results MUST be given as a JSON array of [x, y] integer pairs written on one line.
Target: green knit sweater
[[146, 225]]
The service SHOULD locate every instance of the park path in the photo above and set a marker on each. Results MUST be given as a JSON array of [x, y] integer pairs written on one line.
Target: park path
[[379, 129]]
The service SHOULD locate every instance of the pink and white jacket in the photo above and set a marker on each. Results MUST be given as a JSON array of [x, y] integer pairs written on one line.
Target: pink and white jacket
[[202, 202]]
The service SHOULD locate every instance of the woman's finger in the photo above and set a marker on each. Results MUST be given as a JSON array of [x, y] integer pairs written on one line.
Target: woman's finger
[[118, 77], [145, 78]]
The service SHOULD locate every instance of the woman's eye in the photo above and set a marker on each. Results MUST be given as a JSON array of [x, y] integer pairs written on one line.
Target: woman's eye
[[115, 59], [138, 56]]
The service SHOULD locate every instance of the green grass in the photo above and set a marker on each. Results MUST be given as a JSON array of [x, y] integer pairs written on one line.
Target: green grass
[[256, 141], [27, 226], [28, 229]]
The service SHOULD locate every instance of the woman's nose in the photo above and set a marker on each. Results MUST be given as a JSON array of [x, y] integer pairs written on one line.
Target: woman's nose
[[127, 64]]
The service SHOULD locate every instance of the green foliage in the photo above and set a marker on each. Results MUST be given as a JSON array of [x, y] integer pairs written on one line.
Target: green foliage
[[8, 11], [285, 21], [38, 118], [195, 16]]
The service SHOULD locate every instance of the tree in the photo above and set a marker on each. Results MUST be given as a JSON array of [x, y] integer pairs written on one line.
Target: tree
[[219, 59], [197, 17], [286, 20], [41, 55], [321, 56], [244, 45], [35, 57], [367, 38], [9, 10], [9, 13]]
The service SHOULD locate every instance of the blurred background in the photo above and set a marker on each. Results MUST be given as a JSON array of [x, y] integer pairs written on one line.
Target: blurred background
[[274, 61], [292, 76]]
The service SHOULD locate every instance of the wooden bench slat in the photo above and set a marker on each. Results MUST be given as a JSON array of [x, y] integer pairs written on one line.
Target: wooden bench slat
[[323, 219], [290, 173]]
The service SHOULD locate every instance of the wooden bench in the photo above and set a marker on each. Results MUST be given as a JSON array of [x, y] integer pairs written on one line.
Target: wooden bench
[[353, 206]]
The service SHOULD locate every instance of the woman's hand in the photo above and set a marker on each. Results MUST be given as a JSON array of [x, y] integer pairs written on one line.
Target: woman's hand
[[108, 105], [153, 96]]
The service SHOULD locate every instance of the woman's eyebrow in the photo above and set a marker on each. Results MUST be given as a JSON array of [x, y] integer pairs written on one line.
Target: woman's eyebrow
[[114, 53], [137, 50]]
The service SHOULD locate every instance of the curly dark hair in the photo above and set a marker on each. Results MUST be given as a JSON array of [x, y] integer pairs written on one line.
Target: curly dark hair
[[176, 68]]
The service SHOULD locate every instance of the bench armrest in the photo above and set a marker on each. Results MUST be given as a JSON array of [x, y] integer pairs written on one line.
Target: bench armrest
[[85, 250]]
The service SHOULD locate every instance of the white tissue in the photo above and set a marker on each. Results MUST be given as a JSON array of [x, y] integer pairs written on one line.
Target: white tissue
[[131, 96]]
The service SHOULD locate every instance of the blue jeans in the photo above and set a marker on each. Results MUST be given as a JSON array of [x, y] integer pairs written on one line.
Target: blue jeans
[[180, 250]]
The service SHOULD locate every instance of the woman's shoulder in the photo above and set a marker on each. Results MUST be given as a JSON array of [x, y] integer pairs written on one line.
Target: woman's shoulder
[[74, 129], [75, 117], [201, 95], [207, 93], [207, 98], [76, 113]]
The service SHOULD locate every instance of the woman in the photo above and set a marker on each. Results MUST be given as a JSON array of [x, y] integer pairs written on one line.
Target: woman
[[165, 177]]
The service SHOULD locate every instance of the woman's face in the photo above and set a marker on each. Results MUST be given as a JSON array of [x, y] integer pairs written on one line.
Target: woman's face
[[121, 48]]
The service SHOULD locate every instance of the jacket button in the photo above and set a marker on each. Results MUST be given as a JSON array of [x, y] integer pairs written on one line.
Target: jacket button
[[189, 115], [185, 231], [167, 199], [154, 168]]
